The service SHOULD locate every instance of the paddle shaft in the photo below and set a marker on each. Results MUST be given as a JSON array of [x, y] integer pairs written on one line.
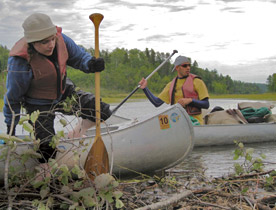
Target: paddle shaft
[[148, 77], [96, 19]]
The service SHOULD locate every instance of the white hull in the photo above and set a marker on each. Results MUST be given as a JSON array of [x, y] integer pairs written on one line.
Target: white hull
[[215, 135]]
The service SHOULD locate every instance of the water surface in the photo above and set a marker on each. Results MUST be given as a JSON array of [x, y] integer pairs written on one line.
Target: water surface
[[216, 161]]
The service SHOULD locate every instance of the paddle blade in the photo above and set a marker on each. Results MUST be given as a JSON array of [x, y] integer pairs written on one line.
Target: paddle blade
[[97, 159]]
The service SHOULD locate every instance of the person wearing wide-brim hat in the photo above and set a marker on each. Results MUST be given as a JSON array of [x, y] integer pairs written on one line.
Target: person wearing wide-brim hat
[[187, 89], [37, 79]]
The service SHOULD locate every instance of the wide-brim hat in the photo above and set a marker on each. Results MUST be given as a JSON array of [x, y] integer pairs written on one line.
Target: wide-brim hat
[[37, 27]]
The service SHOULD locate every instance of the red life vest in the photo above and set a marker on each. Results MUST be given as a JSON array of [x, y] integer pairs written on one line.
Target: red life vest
[[45, 83], [188, 92]]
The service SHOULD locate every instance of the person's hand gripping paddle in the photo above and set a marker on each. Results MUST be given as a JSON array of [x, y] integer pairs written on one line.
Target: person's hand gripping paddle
[[97, 159]]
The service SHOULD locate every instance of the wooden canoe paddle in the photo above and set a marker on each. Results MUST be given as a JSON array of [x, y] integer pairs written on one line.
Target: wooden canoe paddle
[[97, 161]]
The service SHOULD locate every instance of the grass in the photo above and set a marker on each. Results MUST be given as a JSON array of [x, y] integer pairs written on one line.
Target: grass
[[264, 96], [117, 98], [1, 105]]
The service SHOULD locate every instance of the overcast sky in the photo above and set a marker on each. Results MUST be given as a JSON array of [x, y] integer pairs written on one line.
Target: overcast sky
[[235, 37]]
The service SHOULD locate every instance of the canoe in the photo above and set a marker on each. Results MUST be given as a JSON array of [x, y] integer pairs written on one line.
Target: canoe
[[142, 146], [218, 135], [151, 144]]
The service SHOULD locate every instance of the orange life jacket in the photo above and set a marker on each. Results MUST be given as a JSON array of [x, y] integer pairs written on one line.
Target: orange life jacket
[[188, 92], [45, 83]]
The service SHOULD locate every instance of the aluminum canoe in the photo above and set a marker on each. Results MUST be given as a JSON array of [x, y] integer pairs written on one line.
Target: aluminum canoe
[[150, 144], [218, 135]]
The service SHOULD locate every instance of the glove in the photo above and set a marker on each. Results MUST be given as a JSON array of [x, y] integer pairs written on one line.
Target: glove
[[96, 65], [8, 130]]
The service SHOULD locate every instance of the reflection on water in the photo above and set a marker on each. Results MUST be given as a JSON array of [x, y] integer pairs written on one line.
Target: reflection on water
[[216, 161]]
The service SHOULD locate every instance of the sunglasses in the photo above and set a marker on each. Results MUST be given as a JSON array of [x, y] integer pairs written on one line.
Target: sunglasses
[[186, 65]]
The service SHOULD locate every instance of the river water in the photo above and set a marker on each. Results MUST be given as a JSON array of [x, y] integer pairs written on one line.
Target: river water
[[215, 161]]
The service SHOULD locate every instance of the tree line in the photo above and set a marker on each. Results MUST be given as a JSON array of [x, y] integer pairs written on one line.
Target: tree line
[[125, 68], [271, 83]]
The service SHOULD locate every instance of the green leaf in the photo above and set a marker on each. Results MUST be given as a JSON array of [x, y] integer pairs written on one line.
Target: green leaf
[[53, 164], [34, 116], [27, 139], [237, 154], [88, 201], [38, 184], [60, 134], [35, 202], [65, 174], [44, 192], [119, 204], [64, 169], [108, 196], [244, 190], [64, 180], [78, 184], [87, 192], [42, 206], [238, 168], [241, 145], [248, 157], [117, 194], [236, 157], [263, 156], [75, 196], [249, 151], [257, 166], [273, 173], [50, 202], [76, 170], [63, 122], [269, 180], [28, 127], [23, 119], [67, 109], [33, 136], [115, 184], [103, 180], [54, 142]]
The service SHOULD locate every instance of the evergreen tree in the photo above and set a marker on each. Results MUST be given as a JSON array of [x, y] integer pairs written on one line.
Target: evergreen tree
[[125, 68]]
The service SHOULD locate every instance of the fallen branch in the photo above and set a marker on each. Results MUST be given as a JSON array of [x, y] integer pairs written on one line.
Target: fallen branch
[[260, 206], [64, 199], [252, 175], [168, 202], [211, 204]]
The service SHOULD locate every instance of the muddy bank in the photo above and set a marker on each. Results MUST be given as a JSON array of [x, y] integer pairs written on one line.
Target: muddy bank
[[185, 189]]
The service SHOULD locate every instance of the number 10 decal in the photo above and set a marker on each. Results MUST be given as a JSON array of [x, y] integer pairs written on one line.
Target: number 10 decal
[[164, 121]]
